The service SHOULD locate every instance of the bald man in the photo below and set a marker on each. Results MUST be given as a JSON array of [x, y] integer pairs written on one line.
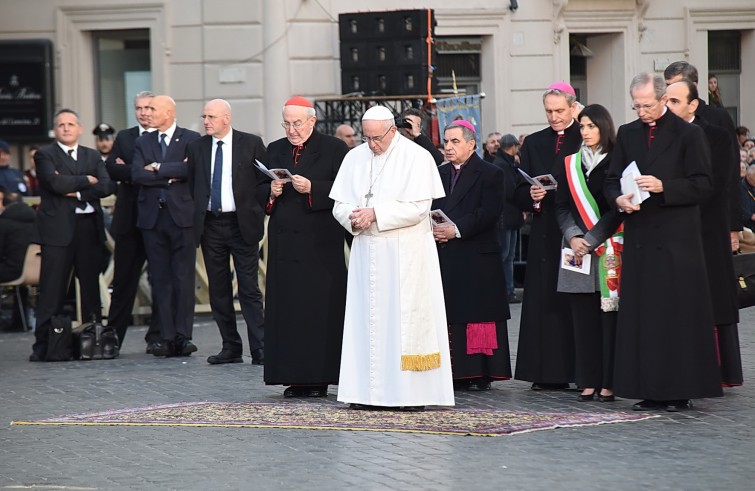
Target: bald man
[[230, 193], [164, 215], [346, 133]]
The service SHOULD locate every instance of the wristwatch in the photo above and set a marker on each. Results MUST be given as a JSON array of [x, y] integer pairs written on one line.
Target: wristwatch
[[155, 166]]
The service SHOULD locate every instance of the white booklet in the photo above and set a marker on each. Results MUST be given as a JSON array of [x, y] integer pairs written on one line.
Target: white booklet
[[546, 181], [440, 219], [628, 184], [275, 174], [568, 261]]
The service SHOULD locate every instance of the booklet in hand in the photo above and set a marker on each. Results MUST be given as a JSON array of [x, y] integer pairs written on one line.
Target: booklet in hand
[[440, 219], [629, 185], [275, 174], [568, 261], [546, 181]]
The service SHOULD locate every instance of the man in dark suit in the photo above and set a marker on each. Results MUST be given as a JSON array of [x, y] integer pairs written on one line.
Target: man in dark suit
[[716, 228], [665, 344], [69, 223], [164, 215], [474, 285], [129, 255], [229, 194], [545, 353]]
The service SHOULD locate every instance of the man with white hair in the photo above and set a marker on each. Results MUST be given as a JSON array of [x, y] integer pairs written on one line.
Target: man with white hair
[[395, 342]]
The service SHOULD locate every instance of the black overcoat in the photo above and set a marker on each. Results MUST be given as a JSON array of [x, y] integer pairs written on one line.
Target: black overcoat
[[665, 346], [546, 338], [305, 293]]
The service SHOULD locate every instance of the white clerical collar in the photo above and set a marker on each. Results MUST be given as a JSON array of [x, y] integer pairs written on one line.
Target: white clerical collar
[[691, 119]]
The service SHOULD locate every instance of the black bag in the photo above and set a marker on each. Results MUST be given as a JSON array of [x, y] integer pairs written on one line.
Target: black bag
[[98, 342], [744, 272], [60, 339]]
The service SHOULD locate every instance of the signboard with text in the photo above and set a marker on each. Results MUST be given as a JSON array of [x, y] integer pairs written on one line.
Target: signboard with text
[[26, 89]]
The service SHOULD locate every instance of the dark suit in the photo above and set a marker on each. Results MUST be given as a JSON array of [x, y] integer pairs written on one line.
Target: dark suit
[[69, 240], [129, 255], [164, 215], [665, 345], [233, 233], [474, 286]]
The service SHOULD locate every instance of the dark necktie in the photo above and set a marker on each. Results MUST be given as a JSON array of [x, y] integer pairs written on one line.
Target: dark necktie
[[217, 176], [70, 154], [163, 145], [455, 173], [296, 151], [558, 142], [651, 136]]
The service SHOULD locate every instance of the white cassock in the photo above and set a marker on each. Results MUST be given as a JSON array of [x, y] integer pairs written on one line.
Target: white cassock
[[394, 302]]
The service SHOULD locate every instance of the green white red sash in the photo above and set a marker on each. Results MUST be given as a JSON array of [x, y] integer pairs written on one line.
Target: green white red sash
[[609, 252]]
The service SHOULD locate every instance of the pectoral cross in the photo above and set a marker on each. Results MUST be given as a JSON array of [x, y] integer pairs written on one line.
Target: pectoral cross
[[367, 197]]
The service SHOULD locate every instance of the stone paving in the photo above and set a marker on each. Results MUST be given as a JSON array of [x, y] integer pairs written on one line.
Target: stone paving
[[710, 447]]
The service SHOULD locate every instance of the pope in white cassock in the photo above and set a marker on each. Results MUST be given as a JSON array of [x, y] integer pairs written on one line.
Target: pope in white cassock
[[395, 340]]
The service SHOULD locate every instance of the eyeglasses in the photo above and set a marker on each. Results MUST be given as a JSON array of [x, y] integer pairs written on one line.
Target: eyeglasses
[[210, 117], [646, 107], [297, 125], [376, 139]]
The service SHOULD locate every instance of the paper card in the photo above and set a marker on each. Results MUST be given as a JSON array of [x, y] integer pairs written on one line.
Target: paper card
[[568, 261], [545, 181], [628, 184], [440, 219], [275, 174]]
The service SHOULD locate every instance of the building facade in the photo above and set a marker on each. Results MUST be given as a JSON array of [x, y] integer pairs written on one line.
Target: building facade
[[256, 54]]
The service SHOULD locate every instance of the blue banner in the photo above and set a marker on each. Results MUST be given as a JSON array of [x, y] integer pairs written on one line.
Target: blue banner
[[465, 107]]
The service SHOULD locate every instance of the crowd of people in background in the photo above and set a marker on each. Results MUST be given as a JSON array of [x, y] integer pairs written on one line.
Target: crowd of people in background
[[628, 289]]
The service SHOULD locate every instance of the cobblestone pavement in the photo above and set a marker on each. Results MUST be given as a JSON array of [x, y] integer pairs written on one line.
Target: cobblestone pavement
[[709, 447]]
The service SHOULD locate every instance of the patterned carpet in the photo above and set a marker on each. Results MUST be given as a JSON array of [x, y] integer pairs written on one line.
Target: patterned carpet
[[474, 422]]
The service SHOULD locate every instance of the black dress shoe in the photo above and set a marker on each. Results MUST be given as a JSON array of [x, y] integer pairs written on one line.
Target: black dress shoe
[[648, 405], [36, 356], [610, 398], [548, 386], [163, 348], [479, 385], [185, 347], [317, 391], [679, 405], [150, 349], [224, 357], [586, 397], [297, 391], [258, 357]]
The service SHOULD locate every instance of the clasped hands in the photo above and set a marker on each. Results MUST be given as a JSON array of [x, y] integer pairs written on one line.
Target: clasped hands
[[300, 184], [580, 247], [362, 218], [444, 234], [647, 183]]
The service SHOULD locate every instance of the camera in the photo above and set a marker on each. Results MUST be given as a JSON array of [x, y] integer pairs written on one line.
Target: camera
[[403, 123]]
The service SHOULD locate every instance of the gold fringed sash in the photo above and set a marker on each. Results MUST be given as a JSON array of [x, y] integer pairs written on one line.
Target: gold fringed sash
[[420, 363]]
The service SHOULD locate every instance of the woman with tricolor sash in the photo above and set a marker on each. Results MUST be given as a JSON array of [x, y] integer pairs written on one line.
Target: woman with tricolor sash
[[591, 260]]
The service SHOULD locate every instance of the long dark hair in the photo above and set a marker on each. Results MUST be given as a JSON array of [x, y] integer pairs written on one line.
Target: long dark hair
[[600, 116]]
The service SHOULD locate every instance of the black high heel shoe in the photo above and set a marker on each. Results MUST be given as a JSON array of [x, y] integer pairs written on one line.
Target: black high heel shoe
[[610, 398], [586, 397]]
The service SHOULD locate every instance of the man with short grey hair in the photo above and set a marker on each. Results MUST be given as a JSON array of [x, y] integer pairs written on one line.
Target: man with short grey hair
[[665, 344], [129, 255]]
